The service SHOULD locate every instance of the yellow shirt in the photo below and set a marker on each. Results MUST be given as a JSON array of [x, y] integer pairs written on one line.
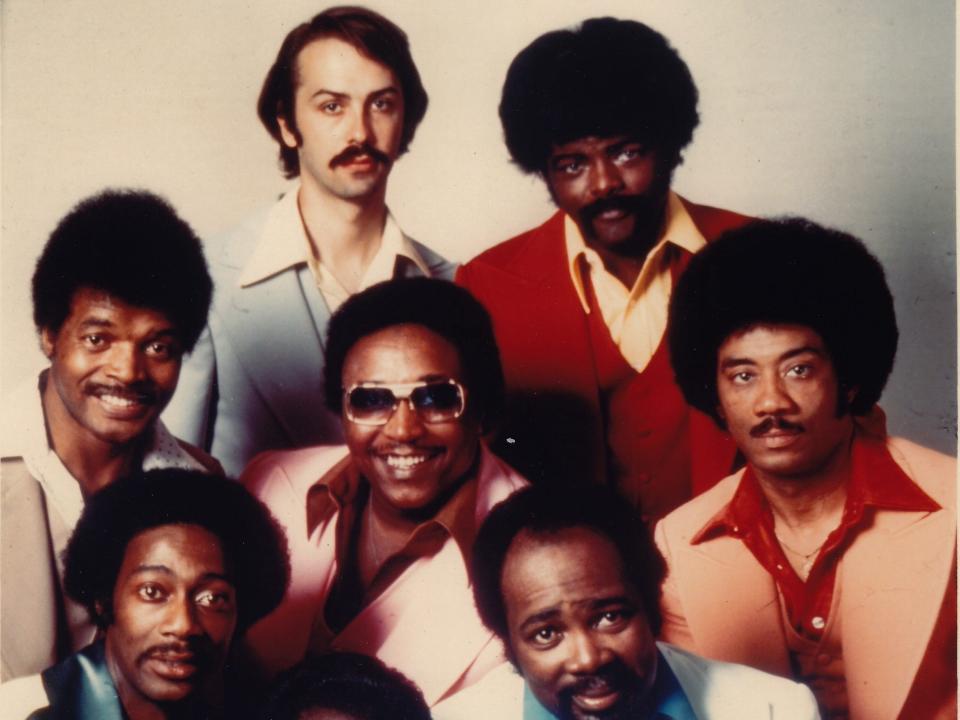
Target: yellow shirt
[[636, 317]]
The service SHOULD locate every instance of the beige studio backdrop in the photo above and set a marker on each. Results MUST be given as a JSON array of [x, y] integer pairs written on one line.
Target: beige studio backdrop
[[841, 111]]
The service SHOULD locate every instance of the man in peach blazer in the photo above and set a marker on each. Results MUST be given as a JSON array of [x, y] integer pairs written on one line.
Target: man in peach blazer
[[831, 558], [381, 531]]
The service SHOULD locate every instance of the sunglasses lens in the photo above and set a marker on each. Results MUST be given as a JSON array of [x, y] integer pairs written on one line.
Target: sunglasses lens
[[437, 402], [371, 404]]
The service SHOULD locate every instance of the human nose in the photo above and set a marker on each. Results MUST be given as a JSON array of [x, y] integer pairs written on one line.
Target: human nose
[[605, 178], [585, 655], [404, 424], [125, 363], [358, 132], [772, 397], [181, 618]]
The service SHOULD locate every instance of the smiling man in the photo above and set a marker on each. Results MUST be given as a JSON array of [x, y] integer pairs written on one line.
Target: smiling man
[[570, 581], [120, 292], [381, 529], [343, 100], [602, 114], [171, 566], [832, 557]]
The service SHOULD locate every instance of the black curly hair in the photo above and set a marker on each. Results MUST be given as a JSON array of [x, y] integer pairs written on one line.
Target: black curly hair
[[253, 545], [786, 271], [129, 244], [356, 685], [543, 510], [606, 77]]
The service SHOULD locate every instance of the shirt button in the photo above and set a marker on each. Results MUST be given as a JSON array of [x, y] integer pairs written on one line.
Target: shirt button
[[736, 529], [823, 659], [818, 623], [779, 567]]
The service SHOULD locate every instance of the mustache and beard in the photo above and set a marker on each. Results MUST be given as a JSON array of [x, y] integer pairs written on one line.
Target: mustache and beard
[[647, 210], [615, 676]]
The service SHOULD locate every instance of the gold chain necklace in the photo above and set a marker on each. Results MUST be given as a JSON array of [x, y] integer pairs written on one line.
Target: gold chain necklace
[[808, 558]]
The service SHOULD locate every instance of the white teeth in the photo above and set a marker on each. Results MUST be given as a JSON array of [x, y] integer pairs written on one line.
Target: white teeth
[[118, 401], [404, 462]]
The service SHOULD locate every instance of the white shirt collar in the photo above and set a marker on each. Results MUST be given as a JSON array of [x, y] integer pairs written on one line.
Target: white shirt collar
[[284, 244], [24, 435]]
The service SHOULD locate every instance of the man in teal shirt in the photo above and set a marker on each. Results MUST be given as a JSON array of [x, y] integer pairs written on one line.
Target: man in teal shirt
[[570, 582]]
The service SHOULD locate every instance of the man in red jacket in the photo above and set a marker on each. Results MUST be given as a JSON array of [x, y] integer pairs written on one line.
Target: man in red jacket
[[602, 113]]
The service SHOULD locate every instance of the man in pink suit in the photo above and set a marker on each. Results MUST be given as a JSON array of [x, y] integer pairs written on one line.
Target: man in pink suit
[[832, 557], [380, 530], [602, 113]]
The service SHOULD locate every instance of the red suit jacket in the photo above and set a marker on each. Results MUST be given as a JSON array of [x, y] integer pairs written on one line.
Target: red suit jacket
[[555, 428]]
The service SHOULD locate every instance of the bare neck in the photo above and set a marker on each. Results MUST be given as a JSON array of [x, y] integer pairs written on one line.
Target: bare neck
[[813, 500], [93, 462], [346, 234]]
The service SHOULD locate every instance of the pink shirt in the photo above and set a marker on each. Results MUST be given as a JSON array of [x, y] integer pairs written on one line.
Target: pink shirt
[[424, 623]]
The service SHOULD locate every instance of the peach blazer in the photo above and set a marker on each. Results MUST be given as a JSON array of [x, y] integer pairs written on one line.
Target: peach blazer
[[897, 585], [424, 624]]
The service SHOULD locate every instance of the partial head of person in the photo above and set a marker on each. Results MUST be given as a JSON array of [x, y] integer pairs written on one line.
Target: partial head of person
[[569, 579], [412, 367], [172, 565], [120, 292], [344, 686], [784, 331], [343, 100], [603, 112]]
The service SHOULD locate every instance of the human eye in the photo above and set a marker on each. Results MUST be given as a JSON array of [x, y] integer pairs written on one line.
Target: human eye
[[331, 107], [740, 377], [612, 619], [94, 341], [217, 599], [162, 349], [800, 370], [544, 637], [384, 104], [151, 592], [629, 152]]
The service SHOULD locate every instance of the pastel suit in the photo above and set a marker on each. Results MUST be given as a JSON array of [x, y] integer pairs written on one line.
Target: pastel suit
[[897, 597]]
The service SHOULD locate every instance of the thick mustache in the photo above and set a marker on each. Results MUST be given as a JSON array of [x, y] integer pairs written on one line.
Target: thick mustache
[[354, 151], [771, 423], [141, 392], [174, 652], [635, 204], [609, 678]]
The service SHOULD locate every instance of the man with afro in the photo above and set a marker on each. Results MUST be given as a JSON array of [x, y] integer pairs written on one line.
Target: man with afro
[[831, 558], [602, 113], [120, 293]]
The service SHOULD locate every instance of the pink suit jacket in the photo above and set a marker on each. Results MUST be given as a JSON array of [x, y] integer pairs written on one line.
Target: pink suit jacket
[[424, 624], [897, 585]]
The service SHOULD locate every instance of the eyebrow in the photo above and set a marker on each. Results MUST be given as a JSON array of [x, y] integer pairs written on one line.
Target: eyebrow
[[595, 604], [732, 362], [338, 94], [95, 322], [141, 569]]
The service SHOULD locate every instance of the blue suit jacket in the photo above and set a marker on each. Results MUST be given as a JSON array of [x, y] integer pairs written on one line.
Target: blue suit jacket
[[254, 381]]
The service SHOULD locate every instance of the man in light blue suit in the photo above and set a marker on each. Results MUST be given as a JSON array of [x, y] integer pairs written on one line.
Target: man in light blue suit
[[343, 101]]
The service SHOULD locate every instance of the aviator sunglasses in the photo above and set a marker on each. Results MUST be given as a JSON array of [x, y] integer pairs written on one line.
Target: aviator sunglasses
[[435, 401]]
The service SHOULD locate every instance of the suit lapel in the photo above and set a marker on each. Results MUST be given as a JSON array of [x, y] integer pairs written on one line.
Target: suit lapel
[[733, 609], [277, 334], [409, 625], [28, 580], [894, 578]]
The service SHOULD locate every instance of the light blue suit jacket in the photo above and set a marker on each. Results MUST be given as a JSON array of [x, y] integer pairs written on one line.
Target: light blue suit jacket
[[254, 381]]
